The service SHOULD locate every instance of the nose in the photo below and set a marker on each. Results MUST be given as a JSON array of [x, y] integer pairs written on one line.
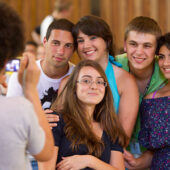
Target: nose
[[60, 50], [166, 61], [139, 50], [87, 44], [93, 85]]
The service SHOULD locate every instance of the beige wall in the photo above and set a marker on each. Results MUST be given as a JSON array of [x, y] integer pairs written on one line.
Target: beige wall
[[117, 13]]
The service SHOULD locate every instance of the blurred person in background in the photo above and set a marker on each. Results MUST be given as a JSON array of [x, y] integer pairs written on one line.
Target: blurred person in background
[[31, 46], [62, 9], [40, 52]]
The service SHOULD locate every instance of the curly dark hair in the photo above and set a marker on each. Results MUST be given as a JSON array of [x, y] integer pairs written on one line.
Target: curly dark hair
[[11, 34], [163, 40]]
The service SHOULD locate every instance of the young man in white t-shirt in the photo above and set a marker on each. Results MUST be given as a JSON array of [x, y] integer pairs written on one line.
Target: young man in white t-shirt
[[59, 47]]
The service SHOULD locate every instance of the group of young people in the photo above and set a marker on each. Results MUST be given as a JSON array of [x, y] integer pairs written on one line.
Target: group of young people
[[93, 107]]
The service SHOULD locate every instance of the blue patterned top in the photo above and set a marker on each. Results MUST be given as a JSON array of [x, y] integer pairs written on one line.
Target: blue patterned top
[[154, 133]]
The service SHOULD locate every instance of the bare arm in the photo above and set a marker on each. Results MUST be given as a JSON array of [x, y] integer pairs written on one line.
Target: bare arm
[[144, 161], [83, 161], [51, 164], [129, 101], [28, 76]]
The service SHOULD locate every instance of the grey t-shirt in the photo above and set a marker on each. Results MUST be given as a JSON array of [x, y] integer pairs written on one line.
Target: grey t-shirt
[[20, 133]]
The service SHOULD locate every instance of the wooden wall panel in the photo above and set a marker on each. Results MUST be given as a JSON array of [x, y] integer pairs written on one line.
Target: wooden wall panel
[[162, 14], [138, 7], [117, 13], [123, 17], [168, 15], [146, 8], [128, 9]]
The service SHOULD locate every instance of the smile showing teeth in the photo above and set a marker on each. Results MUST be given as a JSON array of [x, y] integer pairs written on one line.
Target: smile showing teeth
[[138, 60], [167, 69], [89, 52]]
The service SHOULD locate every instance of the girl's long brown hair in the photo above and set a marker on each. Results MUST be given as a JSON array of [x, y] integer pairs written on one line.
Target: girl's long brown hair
[[78, 128]]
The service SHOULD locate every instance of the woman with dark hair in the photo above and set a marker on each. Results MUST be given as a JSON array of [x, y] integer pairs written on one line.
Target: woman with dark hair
[[94, 41], [155, 119], [88, 134]]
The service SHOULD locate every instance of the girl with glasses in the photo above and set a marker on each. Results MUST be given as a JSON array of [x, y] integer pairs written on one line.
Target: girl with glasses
[[88, 134]]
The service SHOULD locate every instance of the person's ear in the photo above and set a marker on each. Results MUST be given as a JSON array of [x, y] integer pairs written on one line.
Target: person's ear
[[124, 45], [44, 41]]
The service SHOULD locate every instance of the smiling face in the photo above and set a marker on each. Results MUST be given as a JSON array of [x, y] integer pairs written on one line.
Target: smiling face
[[164, 61], [90, 93], [140, 48], [59, 48], [91, 47]]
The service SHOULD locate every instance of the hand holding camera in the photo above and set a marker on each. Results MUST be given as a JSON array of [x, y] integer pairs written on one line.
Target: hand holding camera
[[28, 74]]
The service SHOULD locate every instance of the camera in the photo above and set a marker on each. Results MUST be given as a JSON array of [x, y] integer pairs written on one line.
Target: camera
[[13, 65]]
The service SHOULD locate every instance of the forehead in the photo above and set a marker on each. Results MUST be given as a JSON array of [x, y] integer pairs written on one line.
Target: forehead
[[81, 34], [90, 71], [164, 49], [141, 37], [61, 35]]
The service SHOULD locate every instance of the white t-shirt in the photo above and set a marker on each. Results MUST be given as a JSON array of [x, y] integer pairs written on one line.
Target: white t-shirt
[[47, 87], [20, 133]]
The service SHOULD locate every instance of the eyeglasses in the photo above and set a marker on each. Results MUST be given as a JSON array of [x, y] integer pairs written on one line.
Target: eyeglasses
[[89, 82]]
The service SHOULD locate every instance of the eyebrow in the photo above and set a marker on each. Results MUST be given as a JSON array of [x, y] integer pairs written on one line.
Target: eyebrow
[[69, 43], [60, 42], [79, 37], [90, 76], [133, 41]]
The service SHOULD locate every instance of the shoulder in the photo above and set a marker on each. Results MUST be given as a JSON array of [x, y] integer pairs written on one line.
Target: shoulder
[[122, 76], [64, 81], [22, 103], [124, 80], [18, 108], [121, 57], [149, 96], [71, 67], [114, 146], [71, 64], [12, 99]]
